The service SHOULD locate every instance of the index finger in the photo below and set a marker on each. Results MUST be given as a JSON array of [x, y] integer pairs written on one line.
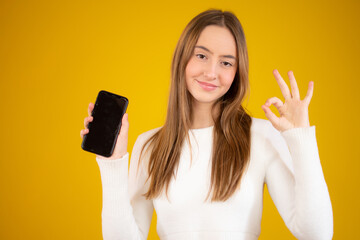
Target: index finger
[[90, 108], [294, 87], [282, 84]]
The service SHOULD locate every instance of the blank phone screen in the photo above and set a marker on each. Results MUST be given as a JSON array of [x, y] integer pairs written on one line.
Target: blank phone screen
[[103, 130]]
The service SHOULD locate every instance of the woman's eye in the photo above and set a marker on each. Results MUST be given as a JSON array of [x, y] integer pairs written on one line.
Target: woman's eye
[[227, 64], [201, 56]]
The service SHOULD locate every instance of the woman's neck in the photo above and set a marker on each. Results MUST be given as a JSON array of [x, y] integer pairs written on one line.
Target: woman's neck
[[202, 115]]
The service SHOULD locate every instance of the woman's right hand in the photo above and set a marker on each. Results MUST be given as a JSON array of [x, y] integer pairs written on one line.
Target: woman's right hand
[[122, 140]]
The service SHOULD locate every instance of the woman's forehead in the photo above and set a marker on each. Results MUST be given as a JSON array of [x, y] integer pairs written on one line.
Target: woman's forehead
[[219, 40]]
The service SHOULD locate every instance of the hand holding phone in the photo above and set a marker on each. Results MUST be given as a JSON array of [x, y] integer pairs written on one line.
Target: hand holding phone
[[106, 127]]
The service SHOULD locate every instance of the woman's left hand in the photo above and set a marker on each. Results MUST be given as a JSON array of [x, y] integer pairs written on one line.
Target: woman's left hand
[[294, 112]]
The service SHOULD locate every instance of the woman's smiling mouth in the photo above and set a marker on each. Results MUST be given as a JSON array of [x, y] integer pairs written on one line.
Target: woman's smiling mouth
[[207, 86]]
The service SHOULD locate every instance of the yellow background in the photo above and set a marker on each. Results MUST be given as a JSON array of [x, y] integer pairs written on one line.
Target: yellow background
[[56, 55]]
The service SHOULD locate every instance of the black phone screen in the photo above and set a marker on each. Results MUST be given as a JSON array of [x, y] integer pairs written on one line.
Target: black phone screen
[[103, 130]]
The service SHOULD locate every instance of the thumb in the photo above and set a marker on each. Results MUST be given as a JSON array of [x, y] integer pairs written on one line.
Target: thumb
[[124, 126], [271, 116]]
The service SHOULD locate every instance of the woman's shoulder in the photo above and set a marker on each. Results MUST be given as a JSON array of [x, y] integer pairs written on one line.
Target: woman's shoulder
[[143, 137], [149, 133], [265, 134], [261, 126], [141, 140]]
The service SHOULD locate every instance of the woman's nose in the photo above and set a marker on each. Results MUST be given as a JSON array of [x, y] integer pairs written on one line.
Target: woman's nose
[[210, 72]]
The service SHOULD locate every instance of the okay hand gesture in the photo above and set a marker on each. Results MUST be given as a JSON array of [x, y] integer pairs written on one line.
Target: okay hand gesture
[[294, 111]]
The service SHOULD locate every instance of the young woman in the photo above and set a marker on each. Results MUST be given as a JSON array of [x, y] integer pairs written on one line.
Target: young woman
[[205, 169]]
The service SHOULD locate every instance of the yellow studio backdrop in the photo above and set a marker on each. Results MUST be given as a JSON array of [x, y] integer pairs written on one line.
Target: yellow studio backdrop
[[56, 55]]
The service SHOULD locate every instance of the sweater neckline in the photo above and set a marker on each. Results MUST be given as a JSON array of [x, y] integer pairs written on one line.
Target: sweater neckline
[[202, 129]]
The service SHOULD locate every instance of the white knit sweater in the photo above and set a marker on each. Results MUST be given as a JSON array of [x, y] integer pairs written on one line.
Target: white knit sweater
[[288, 163]]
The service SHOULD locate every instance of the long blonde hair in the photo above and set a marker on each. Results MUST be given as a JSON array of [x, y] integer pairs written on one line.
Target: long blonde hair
[[231, 143]]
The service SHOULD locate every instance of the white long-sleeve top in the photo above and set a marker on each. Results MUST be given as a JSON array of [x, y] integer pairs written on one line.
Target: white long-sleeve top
[[287, 162]]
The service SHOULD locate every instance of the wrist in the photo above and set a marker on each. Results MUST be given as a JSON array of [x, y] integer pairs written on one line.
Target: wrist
[[113, 157]]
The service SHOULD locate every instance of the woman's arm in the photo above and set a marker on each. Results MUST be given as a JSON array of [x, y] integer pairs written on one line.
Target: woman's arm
[[126, 213], [296, 183], [293, 173]]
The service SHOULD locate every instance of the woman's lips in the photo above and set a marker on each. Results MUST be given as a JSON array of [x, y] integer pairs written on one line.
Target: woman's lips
[[207, 86]]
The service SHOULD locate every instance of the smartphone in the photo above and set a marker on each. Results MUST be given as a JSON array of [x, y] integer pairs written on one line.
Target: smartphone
[[104, 129]]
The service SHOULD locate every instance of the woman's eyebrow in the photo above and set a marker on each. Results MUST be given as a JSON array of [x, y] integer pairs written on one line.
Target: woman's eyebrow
[[226, 56]]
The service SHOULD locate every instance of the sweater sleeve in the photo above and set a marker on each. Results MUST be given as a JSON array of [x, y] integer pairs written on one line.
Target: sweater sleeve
[[296, 183], [126, 213]]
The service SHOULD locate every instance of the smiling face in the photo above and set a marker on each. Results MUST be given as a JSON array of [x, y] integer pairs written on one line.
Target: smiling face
[[212, 67]]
